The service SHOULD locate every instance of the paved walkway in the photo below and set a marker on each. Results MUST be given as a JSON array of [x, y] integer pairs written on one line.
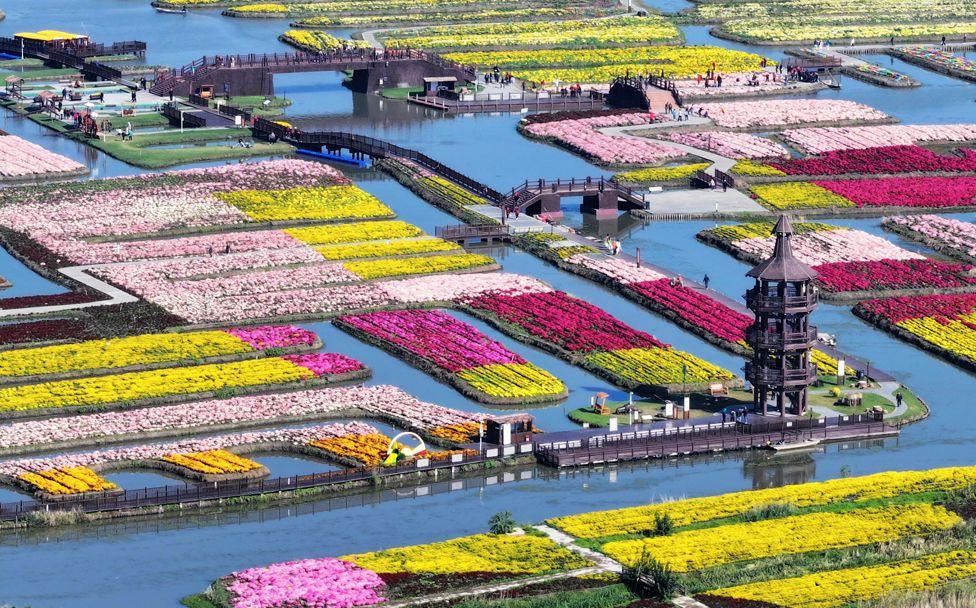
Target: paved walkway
[[561, 538], [80, 274], [693, 202]]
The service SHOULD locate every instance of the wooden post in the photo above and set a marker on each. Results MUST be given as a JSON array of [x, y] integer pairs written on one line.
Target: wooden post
[[638, 257]]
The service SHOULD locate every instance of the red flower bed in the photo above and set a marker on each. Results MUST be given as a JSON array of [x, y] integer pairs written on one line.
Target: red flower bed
[[58, 299], [566, 321], [888, 159], [906, 191], [893, 274], [696, 308], [943, 308], [43, 331]]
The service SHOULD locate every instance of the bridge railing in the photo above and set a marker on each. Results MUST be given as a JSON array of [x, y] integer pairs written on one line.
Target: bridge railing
[[173, 113], [166, 495], [463, 231], [376, 148]]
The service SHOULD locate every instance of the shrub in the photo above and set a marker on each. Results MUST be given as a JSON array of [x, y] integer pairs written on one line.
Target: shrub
[[772, 510], [501, 523], [650, 579]]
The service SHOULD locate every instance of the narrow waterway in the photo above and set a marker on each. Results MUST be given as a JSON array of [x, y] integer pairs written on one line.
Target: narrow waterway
[[156, 562]]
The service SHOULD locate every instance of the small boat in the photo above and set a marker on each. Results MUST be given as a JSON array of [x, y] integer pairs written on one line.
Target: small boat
[[172, 11], [831, 81]]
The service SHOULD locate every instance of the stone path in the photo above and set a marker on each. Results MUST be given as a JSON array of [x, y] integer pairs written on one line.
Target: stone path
[[687, 602], [693, 202], [113, 294], [561, 538]]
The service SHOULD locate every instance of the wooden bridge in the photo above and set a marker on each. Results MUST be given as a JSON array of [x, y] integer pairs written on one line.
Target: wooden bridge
[[601, 196], [77, 58], [252, 74], [645, 93], [465, 234]]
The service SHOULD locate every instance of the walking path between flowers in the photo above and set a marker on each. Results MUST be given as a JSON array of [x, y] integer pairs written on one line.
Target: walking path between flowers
[[561, 538], [79, 274], [886, 389], [693, 202]]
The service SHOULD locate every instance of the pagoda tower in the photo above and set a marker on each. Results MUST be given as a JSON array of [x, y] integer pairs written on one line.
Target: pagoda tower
[[781, 336]]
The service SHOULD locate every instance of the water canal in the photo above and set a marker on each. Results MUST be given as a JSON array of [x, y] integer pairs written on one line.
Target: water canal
[[156, 562]]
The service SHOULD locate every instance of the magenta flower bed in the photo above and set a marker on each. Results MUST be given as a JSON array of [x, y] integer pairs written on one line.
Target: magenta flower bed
[[435, 336], [697, 308], [273, 336], [893, 274], [42, 331], [888, 159], [313, 583], [944, 308], [906, 191], [565, 321], [326, 364]]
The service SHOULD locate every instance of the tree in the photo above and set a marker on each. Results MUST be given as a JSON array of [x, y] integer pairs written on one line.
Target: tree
[[501, 523]]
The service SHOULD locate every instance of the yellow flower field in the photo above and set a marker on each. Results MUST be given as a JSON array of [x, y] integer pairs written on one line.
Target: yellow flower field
[[827, 364], [803, 30], [684, 512], [213, 462], [354, 232], [512, 380], [954, 335], [68, 480], [448, 16], [753, 168], [376, 269], [311, 203], [103, 390], [661, 174], [751, 230], [318, 40], [798, 195], [566, 34], [709, 547], [340, 7], [657, 365], [479, 553], [119, 352], [367, 449], [462, 432], [842, 587], [451, 191], [388, 249]]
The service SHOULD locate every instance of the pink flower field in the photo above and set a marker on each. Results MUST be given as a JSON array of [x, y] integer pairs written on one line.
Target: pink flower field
[[732, 145], [779, 112], [20, 158], [313, 583], [826, 139], [953, 237], [581, 135]]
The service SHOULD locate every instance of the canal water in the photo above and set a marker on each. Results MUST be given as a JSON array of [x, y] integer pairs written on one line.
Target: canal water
[[155, 562]]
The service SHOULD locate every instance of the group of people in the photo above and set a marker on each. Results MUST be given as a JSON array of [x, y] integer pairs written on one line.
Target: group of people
[[574, 90], [495, 75], [612, 245]]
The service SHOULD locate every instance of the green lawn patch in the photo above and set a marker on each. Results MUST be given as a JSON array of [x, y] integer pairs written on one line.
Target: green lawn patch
[[152, 119], [45, 74], [139, 152], [611, 596], [399, 92]]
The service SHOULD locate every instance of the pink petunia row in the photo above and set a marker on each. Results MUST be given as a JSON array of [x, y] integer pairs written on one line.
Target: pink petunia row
[[730, 144], [312, 583], [770, 113], [826, 139], [21, 158], [581, 135]]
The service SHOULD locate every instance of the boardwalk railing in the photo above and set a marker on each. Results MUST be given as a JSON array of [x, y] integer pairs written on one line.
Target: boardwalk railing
[[186, 493], [529, 189], [375, 148], [465, 231]]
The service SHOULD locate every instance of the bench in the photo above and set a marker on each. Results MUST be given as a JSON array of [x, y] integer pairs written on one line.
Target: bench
[[654, 189], [97, 97], [717, 388], [75, 96]]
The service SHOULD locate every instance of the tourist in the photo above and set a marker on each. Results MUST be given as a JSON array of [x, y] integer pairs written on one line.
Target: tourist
[[133, 96], [706, 281], [898, 399], [227, 248], [943, 41], [210, 250], [272, 138]]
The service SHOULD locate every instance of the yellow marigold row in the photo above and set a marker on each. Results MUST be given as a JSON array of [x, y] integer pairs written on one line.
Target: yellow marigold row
[[512, 380], [119, 352], [798, 195], [956, 336], [684, 512], [809, 10], [318, 40], [657, 366], [67, 480], [779, 30], [751, 167], [368, 449], [389, 249], [354, 232], [462, 432], [738, 232], [132, 386], [681, 61], [375, 269], [452, 192], [307, 203], [565, 253], [827, 364], [699, 549], [452, 16], [213, 462], [479, 553], [661, 174], [571, 33], [337, 7], [845, 587]]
